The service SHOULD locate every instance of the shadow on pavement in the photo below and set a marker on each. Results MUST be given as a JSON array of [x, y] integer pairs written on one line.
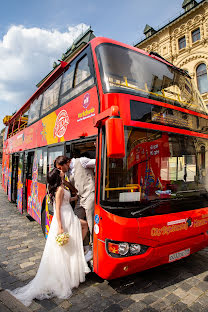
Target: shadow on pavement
[[162, 276]]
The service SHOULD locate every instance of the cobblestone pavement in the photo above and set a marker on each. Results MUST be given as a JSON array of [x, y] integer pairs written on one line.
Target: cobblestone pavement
[[180, 286]]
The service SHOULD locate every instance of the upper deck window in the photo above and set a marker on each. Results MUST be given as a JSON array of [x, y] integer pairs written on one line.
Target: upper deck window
[[67, 83], [78, 77], [82, 71], [6, 132], [182, 43], [125, 70], [34, 112], [50, 97]]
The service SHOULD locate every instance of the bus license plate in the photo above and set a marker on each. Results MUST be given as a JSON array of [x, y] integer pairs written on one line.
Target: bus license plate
[[179, 255]]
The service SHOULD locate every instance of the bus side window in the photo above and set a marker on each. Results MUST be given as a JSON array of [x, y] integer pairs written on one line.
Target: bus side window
[[54, 152], [82, 71], [66, 84], [6, 133], [30, 165], [50, 97], [42, 165], [34, 111], [10, 130], [83, 76]]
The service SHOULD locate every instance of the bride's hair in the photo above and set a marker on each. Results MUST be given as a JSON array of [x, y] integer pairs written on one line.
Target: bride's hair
[[54, 180]]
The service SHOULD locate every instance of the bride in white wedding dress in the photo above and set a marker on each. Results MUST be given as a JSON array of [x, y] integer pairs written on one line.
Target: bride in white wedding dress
[[62, 267]]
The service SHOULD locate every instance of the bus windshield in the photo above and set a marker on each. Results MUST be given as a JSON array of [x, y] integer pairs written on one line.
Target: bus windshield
[[125, 70], [159, 168]]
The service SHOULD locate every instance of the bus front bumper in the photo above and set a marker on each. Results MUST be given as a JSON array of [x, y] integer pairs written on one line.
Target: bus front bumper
[[109, 267]]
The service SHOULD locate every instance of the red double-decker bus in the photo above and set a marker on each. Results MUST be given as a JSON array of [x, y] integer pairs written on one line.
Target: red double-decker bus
[[151, 131]]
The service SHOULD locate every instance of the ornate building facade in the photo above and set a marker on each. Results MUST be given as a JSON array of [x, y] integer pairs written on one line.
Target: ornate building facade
[[184, 42]]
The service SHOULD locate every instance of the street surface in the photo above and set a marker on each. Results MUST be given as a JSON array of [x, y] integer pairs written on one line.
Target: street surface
[[179, 286]]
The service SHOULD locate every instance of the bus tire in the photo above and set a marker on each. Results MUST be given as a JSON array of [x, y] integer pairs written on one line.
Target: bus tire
[[43, 216]]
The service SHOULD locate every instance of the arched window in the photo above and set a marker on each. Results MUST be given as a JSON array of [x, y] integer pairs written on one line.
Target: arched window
[[201, 74]]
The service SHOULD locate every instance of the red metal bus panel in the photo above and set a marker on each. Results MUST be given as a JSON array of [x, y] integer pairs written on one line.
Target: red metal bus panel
[[165, 235]]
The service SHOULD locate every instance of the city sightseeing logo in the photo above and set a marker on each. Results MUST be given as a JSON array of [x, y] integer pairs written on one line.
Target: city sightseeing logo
[[87, 113], [61, 124], [86, 100]]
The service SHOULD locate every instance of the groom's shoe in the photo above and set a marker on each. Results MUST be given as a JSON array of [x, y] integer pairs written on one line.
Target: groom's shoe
[[89, 255]]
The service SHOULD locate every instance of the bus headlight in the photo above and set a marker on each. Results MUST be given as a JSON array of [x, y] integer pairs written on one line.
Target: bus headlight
[[135, 249], [123, 249]]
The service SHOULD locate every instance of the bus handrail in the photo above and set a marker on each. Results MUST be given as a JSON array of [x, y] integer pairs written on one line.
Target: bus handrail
[[121, 188]]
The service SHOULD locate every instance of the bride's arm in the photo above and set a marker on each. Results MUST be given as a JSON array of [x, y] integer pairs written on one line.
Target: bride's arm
[[73, 198], [59, 199]]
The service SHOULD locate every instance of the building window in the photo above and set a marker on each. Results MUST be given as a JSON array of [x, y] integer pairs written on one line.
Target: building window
[[203, 157], [201, 75], [182, 43], [195, 35]]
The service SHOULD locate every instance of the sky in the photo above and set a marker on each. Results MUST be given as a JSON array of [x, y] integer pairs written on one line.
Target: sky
[[34, 34]]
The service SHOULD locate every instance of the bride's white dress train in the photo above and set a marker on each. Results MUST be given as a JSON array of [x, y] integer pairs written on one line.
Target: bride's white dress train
[[62, 267]]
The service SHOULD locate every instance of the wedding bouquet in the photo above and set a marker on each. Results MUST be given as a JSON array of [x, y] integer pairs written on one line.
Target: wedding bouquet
[[62, 239]]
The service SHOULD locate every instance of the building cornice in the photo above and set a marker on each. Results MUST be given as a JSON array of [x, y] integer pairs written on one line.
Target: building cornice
[[190, 58], [177, 19]]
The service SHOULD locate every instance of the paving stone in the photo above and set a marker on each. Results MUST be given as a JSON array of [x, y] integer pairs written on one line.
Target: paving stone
[[180, 292], [22, 243], [196, 307], [137, 307], [11, 303], [149, 309], [189, 300], [193, 281], [65, 304], [3, 308], [126, 303], [185, 286], [48, 304], [179, 306], [57, 309], [113, 308], [160, 293], [149, 299], [159, 305], [35, 306], [195, 291], [137, 297], [203, 286], [118, 297], [203, 300], [26, 264]]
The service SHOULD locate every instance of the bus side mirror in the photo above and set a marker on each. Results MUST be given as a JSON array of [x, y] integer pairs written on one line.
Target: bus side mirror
[[115, 137]]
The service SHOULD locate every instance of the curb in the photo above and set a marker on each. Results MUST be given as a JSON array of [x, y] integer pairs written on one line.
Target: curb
[[9, 303]]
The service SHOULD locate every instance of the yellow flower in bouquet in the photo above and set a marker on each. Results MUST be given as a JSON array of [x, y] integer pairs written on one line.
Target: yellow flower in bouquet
[[62, 239]]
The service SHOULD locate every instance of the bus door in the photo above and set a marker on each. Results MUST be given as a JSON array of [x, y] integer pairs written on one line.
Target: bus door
[[20, 185], [82, 148], [14, 177], [47, 211], [28, 173], [9, 184], [25, 172]]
